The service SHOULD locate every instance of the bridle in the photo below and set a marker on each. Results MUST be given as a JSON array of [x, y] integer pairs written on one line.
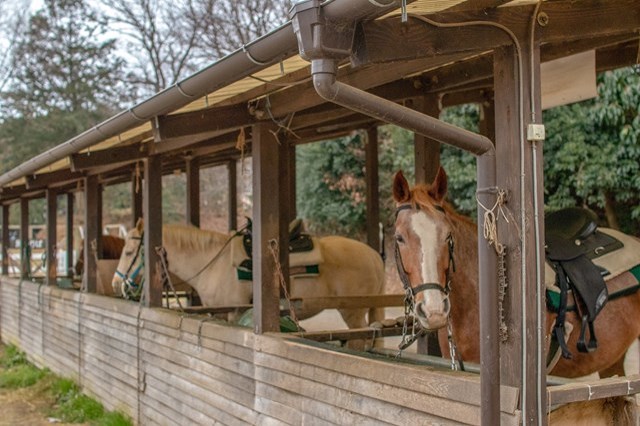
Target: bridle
[[410, 292], [402, 272], [131, 289]]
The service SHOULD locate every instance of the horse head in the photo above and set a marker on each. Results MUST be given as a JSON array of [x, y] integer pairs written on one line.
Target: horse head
[[424, 248], [129, 276]]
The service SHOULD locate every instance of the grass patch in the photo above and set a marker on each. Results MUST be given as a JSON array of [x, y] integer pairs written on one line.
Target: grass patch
[[69, 404]]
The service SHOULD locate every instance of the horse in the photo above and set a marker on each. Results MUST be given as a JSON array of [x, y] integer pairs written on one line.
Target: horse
[[204, 259], [426, 228], [619, 411], [111, 249]]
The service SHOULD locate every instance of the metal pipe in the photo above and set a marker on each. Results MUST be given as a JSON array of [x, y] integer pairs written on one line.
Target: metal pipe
[[275, 46], [324, 79]]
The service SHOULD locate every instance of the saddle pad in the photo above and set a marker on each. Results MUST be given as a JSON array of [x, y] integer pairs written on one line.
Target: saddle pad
[[306, 258], [616, 262]]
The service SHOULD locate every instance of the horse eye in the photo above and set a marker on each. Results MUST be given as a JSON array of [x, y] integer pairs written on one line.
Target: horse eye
[[128, 253], [399, 239]]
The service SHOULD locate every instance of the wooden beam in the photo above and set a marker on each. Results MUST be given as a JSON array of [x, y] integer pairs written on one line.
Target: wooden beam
[[232, 191], [372, 188], [5, 238], [57, 178], [192, 172], [426, 150], [25, 249], [266, 224], [117, 155], [70, 233], [524, 302], [92, 232], [152, 200], [51, 273], [136, 195], [207, 121]]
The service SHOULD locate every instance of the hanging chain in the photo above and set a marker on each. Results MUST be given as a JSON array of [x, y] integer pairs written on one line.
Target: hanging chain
[[274, 248], [453, 349], [502, 291], [166, 277]]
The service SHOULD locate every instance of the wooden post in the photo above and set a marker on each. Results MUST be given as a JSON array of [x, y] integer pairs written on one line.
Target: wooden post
[[372, 188], [6, 241], [233, 195], [487, 125], [291, 172], [52, 225], [70, 248], [25, 252], [283, 188], [136, 196], [522, 360], [92, 231], [152, 208], [266, 223], [193, 191], [426, 150]]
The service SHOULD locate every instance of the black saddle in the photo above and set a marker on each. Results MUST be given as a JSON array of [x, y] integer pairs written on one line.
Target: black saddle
[[572, 242], [298, 240]]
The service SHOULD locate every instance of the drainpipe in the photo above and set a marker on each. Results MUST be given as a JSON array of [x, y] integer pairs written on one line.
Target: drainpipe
[[325, 43]]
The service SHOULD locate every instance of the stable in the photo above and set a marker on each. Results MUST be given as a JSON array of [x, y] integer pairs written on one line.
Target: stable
[[337, 66]]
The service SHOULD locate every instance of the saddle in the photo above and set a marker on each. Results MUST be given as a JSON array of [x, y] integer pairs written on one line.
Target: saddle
[[298, 241], [572, 242]]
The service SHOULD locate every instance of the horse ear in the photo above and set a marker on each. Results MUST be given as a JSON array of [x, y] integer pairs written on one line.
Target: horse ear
[[140, 225], [438, 188], [401, 191]]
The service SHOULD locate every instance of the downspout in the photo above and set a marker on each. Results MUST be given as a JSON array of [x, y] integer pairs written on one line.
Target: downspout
[[325, 42], [324, 79]]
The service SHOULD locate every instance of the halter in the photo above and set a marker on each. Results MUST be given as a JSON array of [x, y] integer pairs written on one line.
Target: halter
[[130, 289], [410, 292], [402, 272]]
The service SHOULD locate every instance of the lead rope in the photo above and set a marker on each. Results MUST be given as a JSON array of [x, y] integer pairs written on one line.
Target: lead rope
[[166, 277]]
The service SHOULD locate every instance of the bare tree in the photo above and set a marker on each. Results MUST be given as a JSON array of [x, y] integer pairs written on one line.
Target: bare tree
[[230, 24], [13, 19], [159, 37]]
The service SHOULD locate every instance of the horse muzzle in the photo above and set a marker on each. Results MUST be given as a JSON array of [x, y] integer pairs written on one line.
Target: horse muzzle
[[433, 310]]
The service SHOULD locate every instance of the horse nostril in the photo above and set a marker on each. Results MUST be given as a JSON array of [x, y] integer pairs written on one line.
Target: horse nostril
[[446, 306]]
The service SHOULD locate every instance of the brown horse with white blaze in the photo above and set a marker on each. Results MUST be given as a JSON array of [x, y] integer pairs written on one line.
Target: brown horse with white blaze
[[430, 235]]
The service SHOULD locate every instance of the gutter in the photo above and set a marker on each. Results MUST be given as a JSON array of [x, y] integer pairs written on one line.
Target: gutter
[[325, 43], [276, 46]]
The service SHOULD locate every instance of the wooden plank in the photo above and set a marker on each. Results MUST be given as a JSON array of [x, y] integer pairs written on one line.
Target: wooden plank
[[372, 189], [206, 121], [92, 231], [332, 302], [193, 191], [426, 150], [51, 179], [351, 334], [70, 233], [52, 239], [594, 389], [266, 226], [117, 155], [5, 240], [232, 193], [25, 260], [136, 195], [152, 199]]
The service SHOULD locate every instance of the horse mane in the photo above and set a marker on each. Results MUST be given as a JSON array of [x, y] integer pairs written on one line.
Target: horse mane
[[421, 196], [191, 238]]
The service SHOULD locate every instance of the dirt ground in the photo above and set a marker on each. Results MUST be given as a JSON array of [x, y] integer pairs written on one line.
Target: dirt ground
[[26, 406]]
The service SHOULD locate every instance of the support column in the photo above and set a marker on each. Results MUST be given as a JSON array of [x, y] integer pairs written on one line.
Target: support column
[[70, 247], [372, 188], [232, 194], [52, 237], [291, 172], [25, 252], [92, 225], [284, 215], [152, 207], [426, 150], [136, 196], [522, 356], [266, 223], [6, 241], [193, 191]]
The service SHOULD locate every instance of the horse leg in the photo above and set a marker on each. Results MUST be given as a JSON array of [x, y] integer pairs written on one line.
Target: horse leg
[[356, 318], [615, 369]]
